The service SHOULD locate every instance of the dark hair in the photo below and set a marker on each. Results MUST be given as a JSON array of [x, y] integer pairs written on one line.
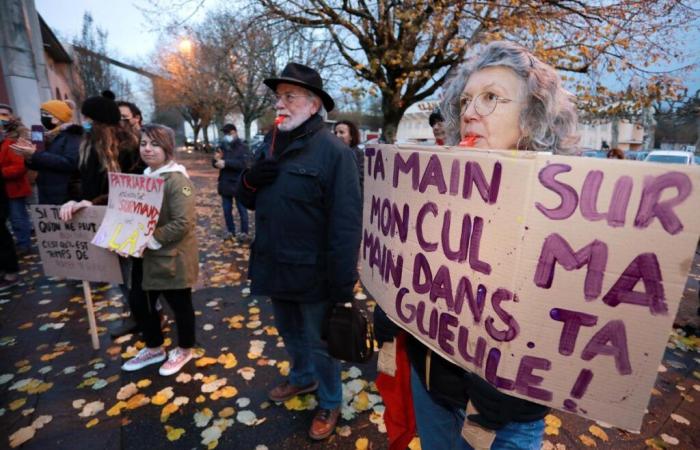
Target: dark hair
[[165, 136], [135, 111], [354, 132], [616, 153], [435, 117]]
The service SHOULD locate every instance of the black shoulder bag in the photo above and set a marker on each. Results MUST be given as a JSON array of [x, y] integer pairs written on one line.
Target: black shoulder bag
[[349, 333]]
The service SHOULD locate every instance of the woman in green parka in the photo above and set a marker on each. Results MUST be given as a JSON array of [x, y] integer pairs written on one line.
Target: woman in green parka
[[170, 262]]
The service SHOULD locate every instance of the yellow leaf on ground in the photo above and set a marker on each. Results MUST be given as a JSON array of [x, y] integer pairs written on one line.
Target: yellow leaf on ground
[[143, 383], [228, 391], [205, 361], [137, 401], [587, 441], [200, 399], [92, 423], [550, 430], [167, 410], [226, 412], [598, 432], [174, 434], [552, 420], [362, 444], [17, 404], [414, 444], [117, 408]]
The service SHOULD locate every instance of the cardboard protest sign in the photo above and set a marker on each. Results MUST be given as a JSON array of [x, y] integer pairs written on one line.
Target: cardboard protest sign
[[65, 249], [554, 278], [132, 213]]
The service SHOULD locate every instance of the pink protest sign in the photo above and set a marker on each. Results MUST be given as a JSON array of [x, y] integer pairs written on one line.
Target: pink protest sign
[[65, 248], [132, 213], [554, 278]]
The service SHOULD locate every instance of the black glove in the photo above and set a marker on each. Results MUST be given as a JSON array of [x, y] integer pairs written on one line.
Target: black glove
[[263, 173]]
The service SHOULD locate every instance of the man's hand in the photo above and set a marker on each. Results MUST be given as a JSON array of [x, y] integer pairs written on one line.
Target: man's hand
[[219, 164], [263, 173]]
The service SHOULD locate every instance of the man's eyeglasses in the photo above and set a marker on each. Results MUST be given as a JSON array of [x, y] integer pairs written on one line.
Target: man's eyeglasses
[[289, 98], [484, 103]]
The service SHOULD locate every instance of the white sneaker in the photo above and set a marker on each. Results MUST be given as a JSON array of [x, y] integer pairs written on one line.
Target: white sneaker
[[145, 357], [177, 358]]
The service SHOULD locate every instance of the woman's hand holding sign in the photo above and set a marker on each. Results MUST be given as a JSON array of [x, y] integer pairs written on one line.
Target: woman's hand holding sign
[[69, 208]]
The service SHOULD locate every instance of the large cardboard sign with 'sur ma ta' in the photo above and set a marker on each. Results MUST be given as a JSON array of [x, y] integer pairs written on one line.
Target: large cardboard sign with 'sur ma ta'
[[554, 278]]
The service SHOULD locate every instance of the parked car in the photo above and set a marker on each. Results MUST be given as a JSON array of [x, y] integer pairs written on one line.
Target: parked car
[[637, 155], [594, 154], [671, 157]]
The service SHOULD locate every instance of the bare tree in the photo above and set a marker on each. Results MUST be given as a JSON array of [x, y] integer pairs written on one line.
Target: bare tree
[[95, 73]]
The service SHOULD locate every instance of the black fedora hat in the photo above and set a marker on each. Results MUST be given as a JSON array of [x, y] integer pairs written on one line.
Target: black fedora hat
[[305, 77]]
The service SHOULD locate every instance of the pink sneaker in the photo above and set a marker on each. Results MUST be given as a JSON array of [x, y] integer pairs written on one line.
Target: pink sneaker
[[177, 358], [145, 357]]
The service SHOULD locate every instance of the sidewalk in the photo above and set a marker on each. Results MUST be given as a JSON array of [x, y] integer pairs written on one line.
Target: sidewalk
[[57, 393]]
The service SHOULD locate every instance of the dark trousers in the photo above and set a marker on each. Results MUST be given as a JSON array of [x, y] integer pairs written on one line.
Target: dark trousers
[[8, 256], [227, 204], [143, 306]]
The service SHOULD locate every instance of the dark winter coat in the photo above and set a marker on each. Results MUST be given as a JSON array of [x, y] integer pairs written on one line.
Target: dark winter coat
[[58, 167], [236, 157], [360, 160], [454, 387], [94, 181], [308, 221]]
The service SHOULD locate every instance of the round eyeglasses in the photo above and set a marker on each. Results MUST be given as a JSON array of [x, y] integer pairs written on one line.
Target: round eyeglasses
[[484, 103]]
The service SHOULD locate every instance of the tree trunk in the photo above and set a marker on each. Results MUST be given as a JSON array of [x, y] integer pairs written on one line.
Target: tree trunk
[[615, 132], [205, 135], [195, 130], [392, 116], [246, 125]]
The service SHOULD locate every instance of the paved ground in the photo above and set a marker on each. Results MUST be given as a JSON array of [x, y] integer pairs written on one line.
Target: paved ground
[[57, 393]]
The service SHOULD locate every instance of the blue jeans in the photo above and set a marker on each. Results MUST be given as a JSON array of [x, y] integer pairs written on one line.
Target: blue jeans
[[227, 203], [21, 225], [440, 427], [300, 325]]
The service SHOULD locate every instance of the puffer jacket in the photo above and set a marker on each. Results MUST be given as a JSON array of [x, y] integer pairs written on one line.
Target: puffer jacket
[[58, 178]]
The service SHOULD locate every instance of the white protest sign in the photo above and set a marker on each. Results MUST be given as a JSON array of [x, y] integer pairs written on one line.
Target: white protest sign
[[65, 248], [554, 278], [132, 213]]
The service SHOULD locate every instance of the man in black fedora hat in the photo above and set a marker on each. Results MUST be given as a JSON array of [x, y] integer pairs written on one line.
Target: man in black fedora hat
[[305, 191]]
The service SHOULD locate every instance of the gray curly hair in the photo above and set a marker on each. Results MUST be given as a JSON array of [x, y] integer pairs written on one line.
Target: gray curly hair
[[548, 120]]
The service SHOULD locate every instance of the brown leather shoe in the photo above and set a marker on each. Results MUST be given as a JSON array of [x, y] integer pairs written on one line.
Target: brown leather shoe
[[324, 423], [285, 391]]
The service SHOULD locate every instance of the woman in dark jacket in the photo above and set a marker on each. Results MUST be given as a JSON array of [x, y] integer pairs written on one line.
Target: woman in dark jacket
[[99, 152], [348, 133], [57, 166], [455, 408]]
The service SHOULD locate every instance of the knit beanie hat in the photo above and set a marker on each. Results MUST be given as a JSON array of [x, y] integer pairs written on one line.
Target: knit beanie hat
[[102, 108], [59, 109]]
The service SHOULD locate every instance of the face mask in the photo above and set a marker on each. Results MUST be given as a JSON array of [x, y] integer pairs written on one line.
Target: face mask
[[228, 138], [46, 122], [87, 126]]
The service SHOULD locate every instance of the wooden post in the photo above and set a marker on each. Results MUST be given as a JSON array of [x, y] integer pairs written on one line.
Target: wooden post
[[91, 315]]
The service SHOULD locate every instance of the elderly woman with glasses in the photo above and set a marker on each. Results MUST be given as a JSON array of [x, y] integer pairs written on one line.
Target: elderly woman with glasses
[[504, 98]]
